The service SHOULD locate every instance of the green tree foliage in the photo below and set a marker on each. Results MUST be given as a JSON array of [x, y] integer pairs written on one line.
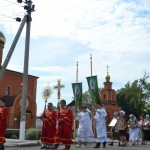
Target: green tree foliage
[[87, 97], [134, 98], [32, 134]]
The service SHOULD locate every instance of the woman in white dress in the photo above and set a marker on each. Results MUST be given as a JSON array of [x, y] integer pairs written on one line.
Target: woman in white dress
[[133, 129]]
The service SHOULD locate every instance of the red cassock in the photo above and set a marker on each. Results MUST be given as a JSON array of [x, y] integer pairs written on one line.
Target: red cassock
[[49, 126], [3, 123], [64, 130]]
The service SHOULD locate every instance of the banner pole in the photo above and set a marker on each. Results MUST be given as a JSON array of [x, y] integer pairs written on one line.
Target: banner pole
[[75, 128], [92, 98]]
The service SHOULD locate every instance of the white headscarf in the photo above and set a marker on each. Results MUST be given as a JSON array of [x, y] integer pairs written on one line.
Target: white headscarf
[[122, 112]]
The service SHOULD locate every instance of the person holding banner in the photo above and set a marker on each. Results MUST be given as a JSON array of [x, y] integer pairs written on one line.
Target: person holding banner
[[49, 118], [3, 123], [100, 115], [85, 132]]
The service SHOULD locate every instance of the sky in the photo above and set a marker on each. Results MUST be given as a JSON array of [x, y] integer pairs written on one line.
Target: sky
[[115, 32]]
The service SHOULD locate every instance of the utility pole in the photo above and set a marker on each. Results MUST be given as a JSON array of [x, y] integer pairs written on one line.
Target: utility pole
[[29, 7], [27, 19]]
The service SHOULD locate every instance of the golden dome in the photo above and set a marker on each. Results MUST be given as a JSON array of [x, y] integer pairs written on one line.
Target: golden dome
[[107, 78], [2, 39]]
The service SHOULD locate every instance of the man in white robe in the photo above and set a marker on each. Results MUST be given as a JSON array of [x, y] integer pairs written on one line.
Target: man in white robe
[[85, 132], [100, 122]]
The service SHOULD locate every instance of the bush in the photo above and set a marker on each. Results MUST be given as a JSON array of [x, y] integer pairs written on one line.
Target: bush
[[12, 134], [32, 134]]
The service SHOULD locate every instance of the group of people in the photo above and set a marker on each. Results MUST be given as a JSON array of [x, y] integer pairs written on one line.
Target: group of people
[[89, 124], [58, 126], [130, 129]]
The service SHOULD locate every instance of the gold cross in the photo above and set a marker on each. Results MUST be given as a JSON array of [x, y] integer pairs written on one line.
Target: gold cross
[[107, 68], [59, 86]]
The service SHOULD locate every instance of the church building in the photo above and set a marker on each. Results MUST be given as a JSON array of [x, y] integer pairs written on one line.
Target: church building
[[11, 92], [108, 99]]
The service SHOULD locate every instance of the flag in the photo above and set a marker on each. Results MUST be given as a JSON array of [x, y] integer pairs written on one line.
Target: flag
[[77, 91], [93, 88]]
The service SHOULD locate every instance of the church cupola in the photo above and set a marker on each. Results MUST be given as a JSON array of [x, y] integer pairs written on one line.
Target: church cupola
[[107, 76], [107, 83], [2, 43], [2, 39]]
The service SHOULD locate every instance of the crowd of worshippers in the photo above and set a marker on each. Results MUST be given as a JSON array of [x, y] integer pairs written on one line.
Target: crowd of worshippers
[[130, 130], [58, 127]]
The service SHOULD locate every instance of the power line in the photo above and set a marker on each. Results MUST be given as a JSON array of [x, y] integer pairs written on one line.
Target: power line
[[5, 16], [13, 3], [6, 5], [4, 21]]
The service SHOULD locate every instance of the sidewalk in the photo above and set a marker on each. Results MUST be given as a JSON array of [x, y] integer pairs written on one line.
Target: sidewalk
[[17, 143]]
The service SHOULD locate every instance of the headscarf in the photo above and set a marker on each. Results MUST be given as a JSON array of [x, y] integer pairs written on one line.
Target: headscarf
[[122, 112]]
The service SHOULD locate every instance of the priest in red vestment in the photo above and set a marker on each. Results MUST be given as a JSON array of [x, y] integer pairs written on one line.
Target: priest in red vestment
[[49, 118], [64, 127], [3, 123]]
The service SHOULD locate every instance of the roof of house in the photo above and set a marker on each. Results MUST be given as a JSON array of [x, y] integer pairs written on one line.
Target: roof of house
[[20, 73], [71, 103]]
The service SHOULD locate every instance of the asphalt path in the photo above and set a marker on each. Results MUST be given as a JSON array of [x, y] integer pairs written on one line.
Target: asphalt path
[[89, 147]]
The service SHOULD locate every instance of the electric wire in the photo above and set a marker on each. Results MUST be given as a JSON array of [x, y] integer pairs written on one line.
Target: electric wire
[[6, 18], [13, 3]]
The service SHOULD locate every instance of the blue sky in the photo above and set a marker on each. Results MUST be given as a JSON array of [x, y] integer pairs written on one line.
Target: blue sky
[[115, 32]]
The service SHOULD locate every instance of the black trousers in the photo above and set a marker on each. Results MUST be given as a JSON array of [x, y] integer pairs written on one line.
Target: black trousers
[[1, 147]]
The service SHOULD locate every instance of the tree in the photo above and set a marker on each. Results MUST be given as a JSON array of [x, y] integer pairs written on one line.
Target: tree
[[134, 98], [87, 97]]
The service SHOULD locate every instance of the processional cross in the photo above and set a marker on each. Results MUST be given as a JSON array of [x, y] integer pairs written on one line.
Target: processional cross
[[58, 87]]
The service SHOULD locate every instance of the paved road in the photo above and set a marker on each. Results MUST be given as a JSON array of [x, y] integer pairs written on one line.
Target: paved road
[[89, 147]]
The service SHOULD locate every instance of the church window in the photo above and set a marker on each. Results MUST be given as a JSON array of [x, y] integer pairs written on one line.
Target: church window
[[7, 91], [104, 96]]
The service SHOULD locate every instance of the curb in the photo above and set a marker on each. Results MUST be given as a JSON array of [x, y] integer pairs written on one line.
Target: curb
[[21, 143]]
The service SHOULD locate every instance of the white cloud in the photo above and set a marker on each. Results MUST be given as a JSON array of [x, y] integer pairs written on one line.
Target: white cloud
[[65, 31]]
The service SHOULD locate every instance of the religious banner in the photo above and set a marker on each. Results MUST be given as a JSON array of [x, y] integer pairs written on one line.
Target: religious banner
[[77, 91], [93, 88]]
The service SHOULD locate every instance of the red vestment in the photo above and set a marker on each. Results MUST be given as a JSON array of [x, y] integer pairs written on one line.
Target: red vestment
[[49, 126], [3, 123], [64, 130]]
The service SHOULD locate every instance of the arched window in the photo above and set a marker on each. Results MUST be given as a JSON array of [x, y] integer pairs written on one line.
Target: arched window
[[7, 91], [104, 96]]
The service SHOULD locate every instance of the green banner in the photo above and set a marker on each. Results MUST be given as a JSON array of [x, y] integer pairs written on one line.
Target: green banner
[[77, 91], [93, 88]]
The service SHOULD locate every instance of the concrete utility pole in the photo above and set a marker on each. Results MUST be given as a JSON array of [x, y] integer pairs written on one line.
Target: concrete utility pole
[[27, 19], [29, 7]]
